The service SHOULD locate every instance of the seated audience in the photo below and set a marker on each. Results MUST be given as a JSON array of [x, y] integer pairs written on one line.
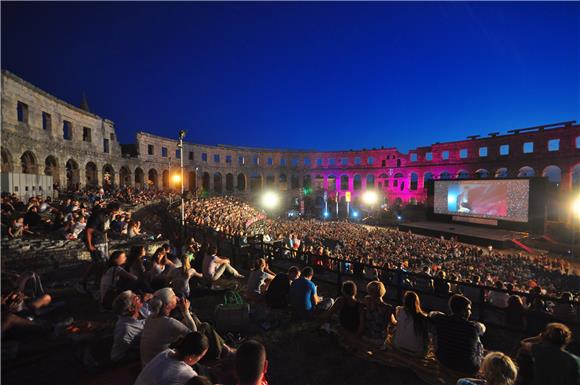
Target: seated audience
[[304, 297], [553, 364], [259, 278], [161, 329], [279, 288], [115, 279], [496, 369], [128, 328], [251, 364], [458, 345], [378, 314], [173, 366], [214, 267], [350, 311], [412, 330], [498, 298]]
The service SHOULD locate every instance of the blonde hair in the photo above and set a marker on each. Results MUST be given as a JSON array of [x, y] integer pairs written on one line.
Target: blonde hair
[[498, 369], [376, 289]]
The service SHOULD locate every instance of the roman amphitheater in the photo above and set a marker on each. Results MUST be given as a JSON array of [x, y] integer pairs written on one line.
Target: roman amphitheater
[[44, 136]]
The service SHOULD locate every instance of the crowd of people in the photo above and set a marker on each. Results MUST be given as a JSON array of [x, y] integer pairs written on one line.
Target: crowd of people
[[157, 330]]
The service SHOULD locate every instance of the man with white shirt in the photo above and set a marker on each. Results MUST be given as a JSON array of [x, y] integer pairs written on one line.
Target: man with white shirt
[[214, 267], [174, 366]]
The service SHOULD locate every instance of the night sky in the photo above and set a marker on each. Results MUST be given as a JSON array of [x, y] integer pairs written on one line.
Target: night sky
[[304, 75]]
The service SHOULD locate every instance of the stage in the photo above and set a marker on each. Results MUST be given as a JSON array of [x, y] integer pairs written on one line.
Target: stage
[[478, 235]]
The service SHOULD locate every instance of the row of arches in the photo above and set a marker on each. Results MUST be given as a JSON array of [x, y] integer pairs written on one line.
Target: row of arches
[[219, 183]]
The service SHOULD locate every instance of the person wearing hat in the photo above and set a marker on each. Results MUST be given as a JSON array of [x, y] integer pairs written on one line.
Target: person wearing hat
[[174, 366]]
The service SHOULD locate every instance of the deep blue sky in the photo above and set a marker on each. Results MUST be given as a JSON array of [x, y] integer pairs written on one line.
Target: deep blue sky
[[304, 75]]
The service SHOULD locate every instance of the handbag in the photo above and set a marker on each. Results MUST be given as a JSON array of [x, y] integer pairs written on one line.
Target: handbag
[[234, 313]]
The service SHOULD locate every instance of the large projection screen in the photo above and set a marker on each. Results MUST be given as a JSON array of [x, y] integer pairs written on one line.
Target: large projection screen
[[502, 199]]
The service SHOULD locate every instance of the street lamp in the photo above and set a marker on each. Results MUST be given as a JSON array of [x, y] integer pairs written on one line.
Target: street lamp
[[180, 146]]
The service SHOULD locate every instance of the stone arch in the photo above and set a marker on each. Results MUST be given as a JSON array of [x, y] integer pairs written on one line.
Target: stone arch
[[29, 163], [462, 174], [576, 176], [398, 162], [108, 176], [255, 182], [153, 178], [482, 173], [414, 181], [344, 182], [319, 182], [444, 175], [205, 181], [270, 180], [73, 175], [370, 181], [139, 178], [7, 163], [229, 182], [398, 176], [502, 172], [294, 182], [307, 181], [241, 182], [427, 178], [91, 175], [331, 182], [125, 177], [553, 173], [165, 179], [51, 168], [526, 171], [217, 183], [192, 180], [356, 182]]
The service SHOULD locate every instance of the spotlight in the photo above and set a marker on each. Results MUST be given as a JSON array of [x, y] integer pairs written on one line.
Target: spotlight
[[355, 214], [370, 197], [326, 214], [576, 207], [399, 217], [270, 200], [176, 178]]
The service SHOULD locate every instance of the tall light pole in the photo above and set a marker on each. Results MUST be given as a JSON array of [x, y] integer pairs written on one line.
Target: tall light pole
[[180, 145]]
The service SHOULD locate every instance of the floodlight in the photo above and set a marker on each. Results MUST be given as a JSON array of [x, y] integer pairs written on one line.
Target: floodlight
[[576, 206], [176, 178], [270, 200], [399, 217], [326, 214], [370, 197], [355, 214]]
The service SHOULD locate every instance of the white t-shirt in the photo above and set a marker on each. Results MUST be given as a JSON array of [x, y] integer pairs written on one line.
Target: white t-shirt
[[405, 336], [256, 280], [165, 370], [209, 266]]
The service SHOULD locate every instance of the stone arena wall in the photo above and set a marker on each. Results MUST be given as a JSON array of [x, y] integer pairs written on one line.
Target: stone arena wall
[[31, 145]]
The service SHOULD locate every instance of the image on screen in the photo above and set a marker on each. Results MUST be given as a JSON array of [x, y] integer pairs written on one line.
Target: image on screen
[[496, 199]]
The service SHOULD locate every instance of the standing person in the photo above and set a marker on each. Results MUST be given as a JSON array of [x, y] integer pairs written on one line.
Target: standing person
[[458, 339], [214, 267], [97, 242], [553, 364]]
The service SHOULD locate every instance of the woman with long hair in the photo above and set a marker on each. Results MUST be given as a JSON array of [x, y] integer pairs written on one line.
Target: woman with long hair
[[412, 331]]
